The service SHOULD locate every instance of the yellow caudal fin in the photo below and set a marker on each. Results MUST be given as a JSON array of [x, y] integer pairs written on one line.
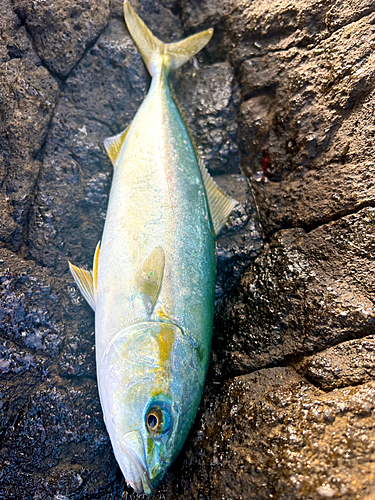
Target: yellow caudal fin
[[156, 53]]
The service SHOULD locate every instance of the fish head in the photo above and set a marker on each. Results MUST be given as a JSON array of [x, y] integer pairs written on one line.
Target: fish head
[[150, 381]]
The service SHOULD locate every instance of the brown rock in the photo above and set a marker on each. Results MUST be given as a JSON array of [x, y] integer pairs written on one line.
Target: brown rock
[[270, 434], [319, 115], [293, 300], [349, 363]]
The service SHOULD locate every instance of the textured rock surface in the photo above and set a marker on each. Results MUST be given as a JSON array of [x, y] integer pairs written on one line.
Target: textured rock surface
[[302, 294], [285, 91]]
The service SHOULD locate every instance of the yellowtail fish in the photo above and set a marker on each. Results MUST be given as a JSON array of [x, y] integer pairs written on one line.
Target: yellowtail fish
[[153, 279]]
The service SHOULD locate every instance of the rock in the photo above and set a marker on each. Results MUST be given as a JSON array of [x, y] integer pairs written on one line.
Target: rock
[[209, 98], [62, 31], [315, 118], [241, 240], [60, 431], [292, 301], [347, 364], [14, 41], [271, 434], [27, 101]]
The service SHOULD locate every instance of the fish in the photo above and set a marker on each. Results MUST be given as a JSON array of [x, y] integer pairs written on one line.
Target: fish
[[152, 285]]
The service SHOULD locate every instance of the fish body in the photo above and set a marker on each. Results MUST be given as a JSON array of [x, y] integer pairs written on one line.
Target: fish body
[[152, 286]]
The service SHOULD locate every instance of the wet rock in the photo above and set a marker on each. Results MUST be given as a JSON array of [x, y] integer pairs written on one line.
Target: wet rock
[[100, 99], [293, 301], [27, 101], [315, 119], [349, 363], [62, 31], [240, 241], [271, 434], [61, 424], [209, 98]]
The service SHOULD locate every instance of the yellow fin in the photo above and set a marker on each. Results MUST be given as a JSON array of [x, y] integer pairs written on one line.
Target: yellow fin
[[220, 204], [149, 278], [156, 53], [113, 145], [95, 267], [84, 280]]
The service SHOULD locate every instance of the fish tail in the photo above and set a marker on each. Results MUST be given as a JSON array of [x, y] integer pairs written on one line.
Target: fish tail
[[157, 54]]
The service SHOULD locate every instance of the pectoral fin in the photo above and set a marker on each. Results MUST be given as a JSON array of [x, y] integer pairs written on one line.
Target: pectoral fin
[[149, 277], [113, 145], [85, 282]]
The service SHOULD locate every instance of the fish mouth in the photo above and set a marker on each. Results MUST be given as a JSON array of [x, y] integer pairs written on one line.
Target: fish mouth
[[133, 463]]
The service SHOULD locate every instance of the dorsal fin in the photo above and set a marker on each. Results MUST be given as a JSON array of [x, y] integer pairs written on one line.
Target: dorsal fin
[[149, 277], [219, 203], [85, 283], [113, 145]]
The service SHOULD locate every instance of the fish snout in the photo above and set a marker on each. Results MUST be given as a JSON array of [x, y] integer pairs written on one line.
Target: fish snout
[[133, 463]]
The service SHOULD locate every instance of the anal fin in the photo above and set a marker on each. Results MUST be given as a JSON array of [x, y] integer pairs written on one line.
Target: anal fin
[[113, 145]]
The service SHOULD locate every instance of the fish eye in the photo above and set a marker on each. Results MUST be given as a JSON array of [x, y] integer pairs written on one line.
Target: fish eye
[[158, 419]]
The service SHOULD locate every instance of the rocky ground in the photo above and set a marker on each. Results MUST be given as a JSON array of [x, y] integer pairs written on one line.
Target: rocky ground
[[281, 104]]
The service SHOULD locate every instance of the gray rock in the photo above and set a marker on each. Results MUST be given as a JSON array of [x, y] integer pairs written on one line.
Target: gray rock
[[27, 102], [209, 98], [62, 31]]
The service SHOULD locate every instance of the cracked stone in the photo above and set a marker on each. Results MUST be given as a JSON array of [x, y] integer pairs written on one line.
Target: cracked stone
[[271, 434], [62, 31], [293, 301], [27, 102]]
